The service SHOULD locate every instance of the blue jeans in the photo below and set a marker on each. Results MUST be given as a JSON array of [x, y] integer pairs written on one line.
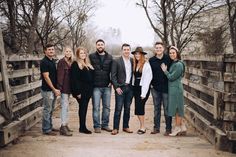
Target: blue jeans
[[158, 99], [49, 100], [64, 108], [103, 93], [123, 100]]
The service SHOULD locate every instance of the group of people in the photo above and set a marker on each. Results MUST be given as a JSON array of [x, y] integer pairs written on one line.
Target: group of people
[[93, 75]]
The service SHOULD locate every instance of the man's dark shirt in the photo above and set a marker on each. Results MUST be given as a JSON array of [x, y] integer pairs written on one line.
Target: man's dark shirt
[[159, 81], [47, 65]]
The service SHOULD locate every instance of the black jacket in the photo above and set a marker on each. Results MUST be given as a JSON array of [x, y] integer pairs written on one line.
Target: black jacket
[[118, 74], [159, 80], [102, 69], [81, 81]]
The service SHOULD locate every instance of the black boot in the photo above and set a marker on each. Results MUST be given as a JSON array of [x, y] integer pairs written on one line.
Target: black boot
[[85, 131], [64, 131]]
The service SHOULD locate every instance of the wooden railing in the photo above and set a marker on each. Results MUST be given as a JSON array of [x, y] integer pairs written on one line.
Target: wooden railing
[[210, 97], [20, 98]]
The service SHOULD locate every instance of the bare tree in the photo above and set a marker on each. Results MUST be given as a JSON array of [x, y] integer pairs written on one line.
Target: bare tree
[[77, 13], [232, 21], [30, 25], [8, 8], [30, 15], [172, 20]]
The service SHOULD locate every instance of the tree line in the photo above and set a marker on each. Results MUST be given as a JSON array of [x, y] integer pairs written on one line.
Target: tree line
[[30, 24], [173, 20]]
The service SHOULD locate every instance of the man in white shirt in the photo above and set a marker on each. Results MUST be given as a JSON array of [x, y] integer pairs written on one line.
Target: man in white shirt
[[121, 77]]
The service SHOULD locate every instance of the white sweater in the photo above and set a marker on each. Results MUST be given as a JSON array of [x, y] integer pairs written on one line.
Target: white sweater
[[146, 79]]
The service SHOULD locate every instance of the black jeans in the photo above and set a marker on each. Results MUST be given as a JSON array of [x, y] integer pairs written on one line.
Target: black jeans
[[160, 98]]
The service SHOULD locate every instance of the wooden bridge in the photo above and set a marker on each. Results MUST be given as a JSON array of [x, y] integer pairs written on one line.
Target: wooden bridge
[[210, 96]]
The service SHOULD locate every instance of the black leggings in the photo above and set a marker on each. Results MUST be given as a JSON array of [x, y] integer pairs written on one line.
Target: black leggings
[[83, 107]]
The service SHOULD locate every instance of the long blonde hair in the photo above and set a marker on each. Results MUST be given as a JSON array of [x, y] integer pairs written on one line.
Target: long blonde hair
[[70, 60], [139, 63], [83, 63]]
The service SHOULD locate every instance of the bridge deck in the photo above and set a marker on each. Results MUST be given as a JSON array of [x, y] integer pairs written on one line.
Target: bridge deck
[[33, 143]]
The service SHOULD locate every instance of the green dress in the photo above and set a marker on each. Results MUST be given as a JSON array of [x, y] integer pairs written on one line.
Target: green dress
[[175, 89]]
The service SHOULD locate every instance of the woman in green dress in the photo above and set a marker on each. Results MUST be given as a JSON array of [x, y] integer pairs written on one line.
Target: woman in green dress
[[175, 90]]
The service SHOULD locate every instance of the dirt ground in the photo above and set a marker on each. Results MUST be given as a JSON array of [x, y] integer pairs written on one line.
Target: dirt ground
[[35, 144]]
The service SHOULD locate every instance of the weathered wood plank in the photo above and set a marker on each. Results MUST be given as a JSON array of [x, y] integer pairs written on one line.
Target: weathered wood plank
[[23, 57], [231, 135], [230, 116], [16, 128], [5, 80], [2, 96], [204, 72], [229, 77], [230, 58], [2, 119], [0, 76], [218, 105], [230, 97], [203, 57], [200, 87], [211, 132], [25, 87], [206, 106], [27, 102], [23, 72]]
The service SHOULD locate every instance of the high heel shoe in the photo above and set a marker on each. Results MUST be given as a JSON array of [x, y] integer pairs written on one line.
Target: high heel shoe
[[176, 131], [183, 129]]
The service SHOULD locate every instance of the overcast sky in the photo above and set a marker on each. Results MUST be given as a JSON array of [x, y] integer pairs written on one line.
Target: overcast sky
[[126, 16]]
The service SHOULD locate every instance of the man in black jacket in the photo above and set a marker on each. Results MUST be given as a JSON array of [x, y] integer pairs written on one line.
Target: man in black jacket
[[101, 61], [121, 76], [159, 88]]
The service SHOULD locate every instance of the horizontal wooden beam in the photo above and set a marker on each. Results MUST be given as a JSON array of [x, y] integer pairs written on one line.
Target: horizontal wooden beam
[[201, 103], [2, 96], [23, 72], [200, 87], [23, 57], [231, 135], [203, 57], [16, 128], [230, 116], [230, 97], [230, 58], [26, 102], [230, 77], [25, 87], [204, 73]]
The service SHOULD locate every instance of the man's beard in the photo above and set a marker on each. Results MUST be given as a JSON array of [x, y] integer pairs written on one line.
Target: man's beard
[[100, 50]]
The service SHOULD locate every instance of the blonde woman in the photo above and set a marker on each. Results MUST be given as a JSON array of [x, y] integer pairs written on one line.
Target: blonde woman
[[63, 84], [141, 83], [82, 85]]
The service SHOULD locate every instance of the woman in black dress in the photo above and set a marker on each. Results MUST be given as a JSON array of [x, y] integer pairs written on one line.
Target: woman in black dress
[[141, 84], [82, 85]]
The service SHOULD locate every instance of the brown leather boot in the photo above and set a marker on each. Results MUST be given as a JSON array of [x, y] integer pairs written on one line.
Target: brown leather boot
[[69, 129], [64, 131]]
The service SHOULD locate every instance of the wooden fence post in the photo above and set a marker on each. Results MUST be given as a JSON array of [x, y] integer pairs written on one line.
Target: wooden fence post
[[8, 114]]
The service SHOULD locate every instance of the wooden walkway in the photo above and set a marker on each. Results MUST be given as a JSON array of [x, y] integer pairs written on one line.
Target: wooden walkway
[[33, 143]]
